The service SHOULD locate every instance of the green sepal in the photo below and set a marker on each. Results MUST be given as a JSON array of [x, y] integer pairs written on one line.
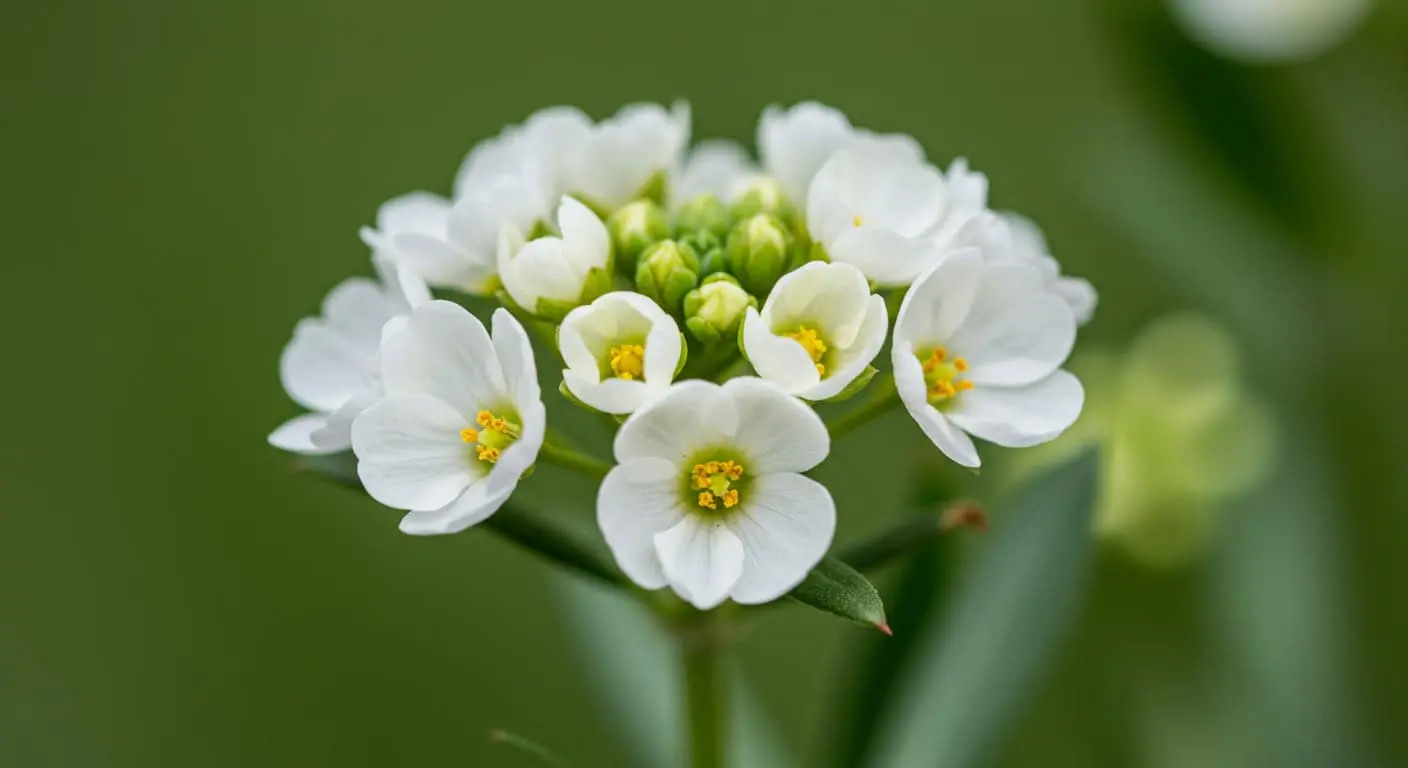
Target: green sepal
[[854, 388], [573, 399], [840, 590], [656, 189]]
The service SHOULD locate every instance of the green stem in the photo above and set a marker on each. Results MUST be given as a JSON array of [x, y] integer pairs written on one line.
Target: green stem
[[570, 458], [703, 646], [886, 397], [536, 534]]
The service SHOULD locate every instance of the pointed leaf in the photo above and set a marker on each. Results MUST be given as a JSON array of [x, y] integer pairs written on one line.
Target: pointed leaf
[[840, 590], [981, 662]]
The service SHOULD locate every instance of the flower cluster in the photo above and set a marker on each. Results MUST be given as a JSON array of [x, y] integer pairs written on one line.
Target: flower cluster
[[706, 301]]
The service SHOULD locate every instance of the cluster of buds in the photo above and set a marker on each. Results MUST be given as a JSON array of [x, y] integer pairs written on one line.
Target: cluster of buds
[[706, 300]]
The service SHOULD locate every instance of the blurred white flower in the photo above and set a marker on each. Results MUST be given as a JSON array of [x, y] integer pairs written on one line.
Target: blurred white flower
[[708, 498], [714, 167], [461, 418], [819, 329], [1010, 238], [794, 143], [624, 155], [977, 351], [550, 275], [621, 351], [329, 367], [1270, 30]]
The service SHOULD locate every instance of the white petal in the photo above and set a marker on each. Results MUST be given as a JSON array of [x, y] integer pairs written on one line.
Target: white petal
[[475, 505], [517, 458], [849, 362], [786, 524], [413, 212], [615, 396], [886, 258], [409, 452], [441, 263], [405, 288], [690, 416], [638, 500], [830, 296], [296, 435], [936, 305], [588, 244], [794, 144], [1017, 417], [777, 432], [778, 359], [444, 352], [967, 188], [336, 433], [715, 167], [881, 188], [321, 368], [663, 347], [701, 558], [909, 380], [1017, 331], [515, 355], [1079, 295], [357, 308]]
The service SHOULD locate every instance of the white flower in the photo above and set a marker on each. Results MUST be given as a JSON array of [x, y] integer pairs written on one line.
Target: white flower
[[714, 167], [420, 212], [621, 351], [1010, 238], [624, 154], [556, 269], [707, 499], [977, 351], [795, 143], [877, 209], [536, 153], [461, 419], [820, 328], [329, 367], [1270, 30]]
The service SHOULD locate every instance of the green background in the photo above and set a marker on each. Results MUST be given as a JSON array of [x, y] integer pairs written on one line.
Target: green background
[[183, 180]]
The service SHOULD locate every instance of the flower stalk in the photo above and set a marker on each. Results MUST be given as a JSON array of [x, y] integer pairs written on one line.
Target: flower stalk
[[704, 646], [883, 400]]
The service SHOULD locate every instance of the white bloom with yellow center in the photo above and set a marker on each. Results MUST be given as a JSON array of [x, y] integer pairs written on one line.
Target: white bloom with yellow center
[[555, 268], [795, 143], [330, 365], [624, 154], [538, 153], [1270, 30], [879, 210], [977, 351], [819, 329], [707, 497], [622, 351], [461, 418]]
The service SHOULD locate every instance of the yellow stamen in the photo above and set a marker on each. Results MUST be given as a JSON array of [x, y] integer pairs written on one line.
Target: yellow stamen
[[469, 435], [941, 375], [628, 361], [856, 220], [488, 454], [812, 343], [714, 481], [492, 438]]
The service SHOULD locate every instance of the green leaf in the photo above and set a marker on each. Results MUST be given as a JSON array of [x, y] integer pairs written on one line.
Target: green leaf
[[632, 664], [979, 664], [857, 384], [840, 590]]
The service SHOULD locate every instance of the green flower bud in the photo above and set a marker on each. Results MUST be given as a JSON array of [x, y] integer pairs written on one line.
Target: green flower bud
[[714, 311], [711, 249], [668, 270], [759, 250], [704, 213], [635, 226], [762, 195]]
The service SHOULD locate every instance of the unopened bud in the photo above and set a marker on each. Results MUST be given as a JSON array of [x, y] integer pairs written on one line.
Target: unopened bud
[[758, 252], [762, 195], [704, 213], [711, 249], [715, 310], [667, 271], [635, 226]]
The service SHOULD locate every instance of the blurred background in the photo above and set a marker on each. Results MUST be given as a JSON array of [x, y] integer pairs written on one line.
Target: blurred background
[[183, 181]]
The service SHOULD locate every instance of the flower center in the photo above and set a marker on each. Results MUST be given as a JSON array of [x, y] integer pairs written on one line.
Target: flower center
[[857, 220], [941, 375], [714, 481], [628, 361], [812, 343], [494, 435]]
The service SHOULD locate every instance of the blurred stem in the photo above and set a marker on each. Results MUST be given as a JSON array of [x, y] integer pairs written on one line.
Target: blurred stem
[[884, 398], [556, 452], [703, 649], [920, 533], [535, 533]]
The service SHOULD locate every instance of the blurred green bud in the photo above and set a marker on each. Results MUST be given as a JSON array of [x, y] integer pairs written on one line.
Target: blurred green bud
[[759, 249], [668, 270], [635, 226], [704, 213], [715, 310], [762, 195], [711, 249]]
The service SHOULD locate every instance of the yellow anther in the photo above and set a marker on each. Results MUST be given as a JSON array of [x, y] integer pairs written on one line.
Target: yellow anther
[[714, 480], [488, 454], [857, 220], [469, 435], [628, 361], [494, 435], [941, 375], [813, 345]]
